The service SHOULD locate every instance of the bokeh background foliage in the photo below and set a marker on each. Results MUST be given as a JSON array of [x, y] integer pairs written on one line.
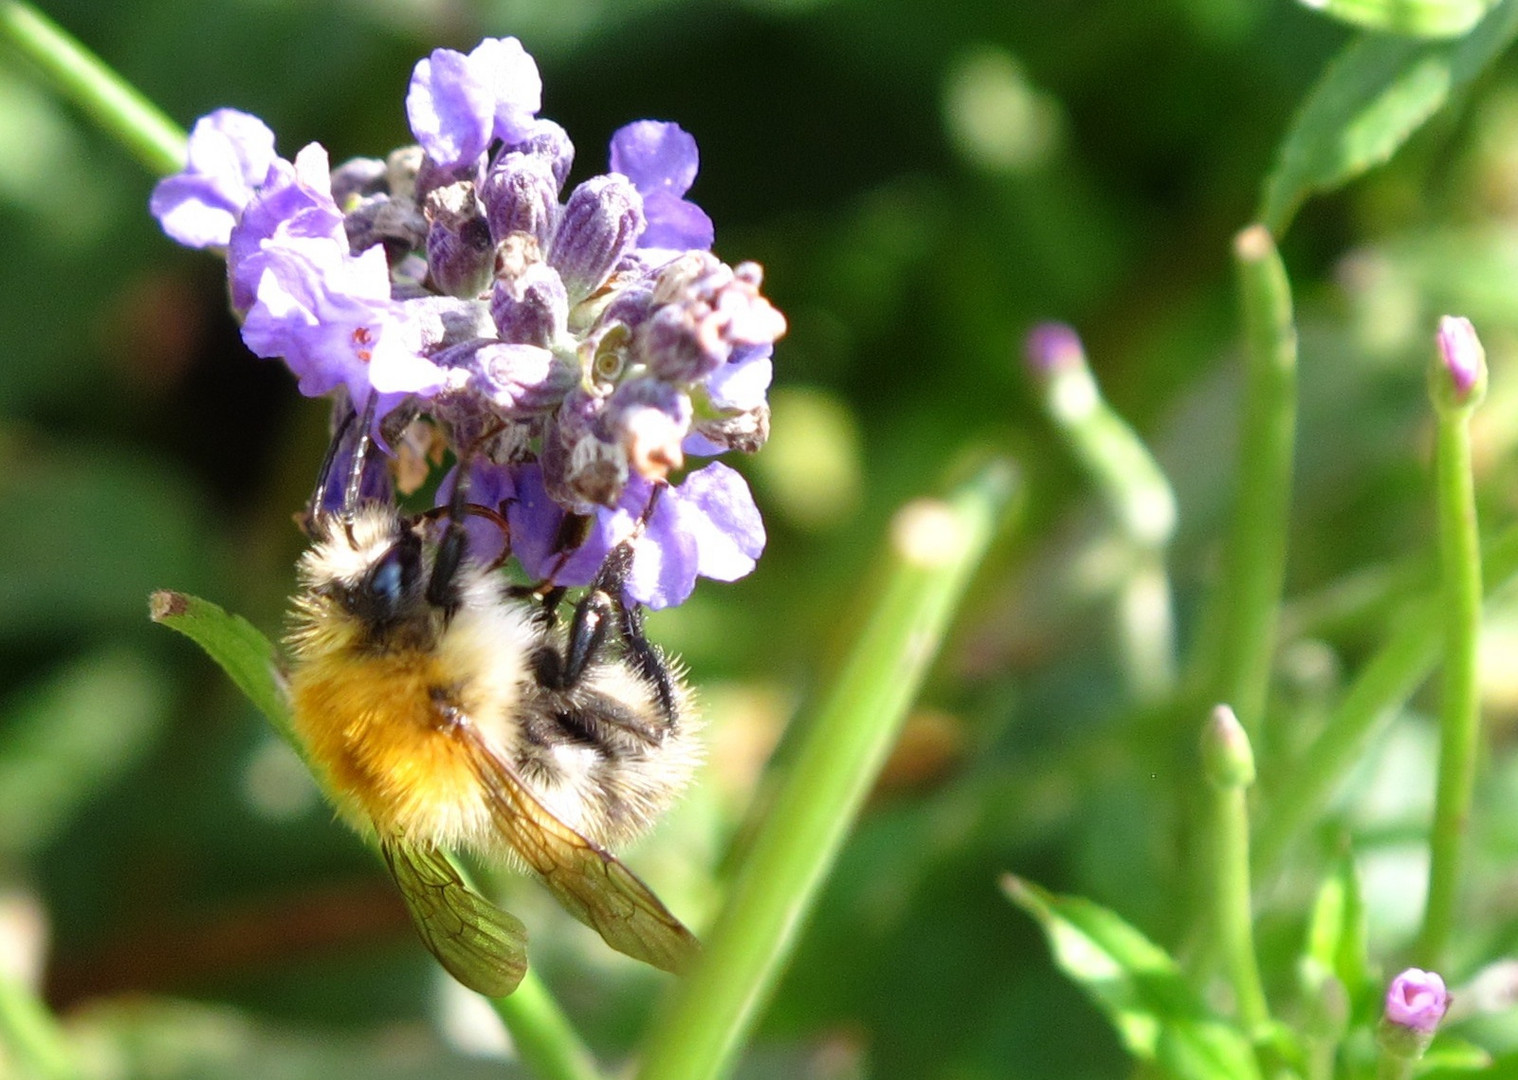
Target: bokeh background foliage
[[922, 181]]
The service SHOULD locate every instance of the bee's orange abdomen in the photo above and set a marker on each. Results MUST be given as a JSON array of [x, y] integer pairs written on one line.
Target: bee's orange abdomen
[[380, 731]]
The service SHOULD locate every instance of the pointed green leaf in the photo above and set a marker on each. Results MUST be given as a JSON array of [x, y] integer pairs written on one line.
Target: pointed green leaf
[[1138, 985], [1418, 18], [1372, 97], [248, 658]]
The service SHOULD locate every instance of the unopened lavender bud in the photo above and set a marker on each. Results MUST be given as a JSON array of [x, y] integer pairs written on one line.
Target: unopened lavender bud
[[551, 144], [401, 170], [582, 466], [521, 195], [744, 431], [1458, 377], [359, 178], [600, 224], [705, 309], [430, 176], [1416, 1002], [650, 419], [460, 253], [1226, 754], [527, 301], [518, 381], [1053, 347]]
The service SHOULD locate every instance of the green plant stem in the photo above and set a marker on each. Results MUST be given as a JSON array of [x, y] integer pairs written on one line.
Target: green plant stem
[[934, 548], [1229, 766], [1373, 699], [545, 1040], [1460, 712], [1391, 1067], [30, 1037], [81, 76], [1140, 499], [1241, 639], [1232, 912]]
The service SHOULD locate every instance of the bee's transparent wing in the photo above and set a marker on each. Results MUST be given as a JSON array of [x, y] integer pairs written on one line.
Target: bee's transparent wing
[[477, 943], [588, 881]]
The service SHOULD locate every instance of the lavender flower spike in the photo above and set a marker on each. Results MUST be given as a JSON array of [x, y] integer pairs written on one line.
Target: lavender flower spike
[[229, 154], [457, 104]]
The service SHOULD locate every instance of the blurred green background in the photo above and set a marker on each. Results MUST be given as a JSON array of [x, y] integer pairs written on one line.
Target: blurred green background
[[922, 182]]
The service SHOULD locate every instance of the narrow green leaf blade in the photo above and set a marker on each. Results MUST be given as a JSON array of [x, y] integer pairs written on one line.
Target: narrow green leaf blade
[[1417, 18], [249, 659], [1370, 100], [1139, 986]]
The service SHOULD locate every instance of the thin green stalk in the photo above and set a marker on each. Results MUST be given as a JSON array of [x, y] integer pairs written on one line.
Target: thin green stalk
[[1241, 639], [545, 1040], [1138, 495], [29, 1037], [1374, 698], [934, 548], [1229, 765], [1460, 709], [1391, 1067], [82, 77]]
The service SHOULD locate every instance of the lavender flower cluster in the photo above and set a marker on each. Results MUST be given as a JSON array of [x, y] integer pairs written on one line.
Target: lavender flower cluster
[[573, 349]]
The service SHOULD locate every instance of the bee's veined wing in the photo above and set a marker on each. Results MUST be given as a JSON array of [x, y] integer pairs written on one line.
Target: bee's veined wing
[[477, 943], [588, 881]]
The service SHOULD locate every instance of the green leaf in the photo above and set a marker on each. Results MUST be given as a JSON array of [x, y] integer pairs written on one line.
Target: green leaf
[[248, 658], [1372, 97], [1418, 18], [1139, 986]]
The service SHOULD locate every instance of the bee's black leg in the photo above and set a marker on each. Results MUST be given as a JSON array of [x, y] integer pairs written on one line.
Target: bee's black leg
[[442, 586], [604, 607]]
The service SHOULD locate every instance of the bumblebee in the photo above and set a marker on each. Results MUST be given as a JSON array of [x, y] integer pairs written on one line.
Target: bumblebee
[[444, 710]]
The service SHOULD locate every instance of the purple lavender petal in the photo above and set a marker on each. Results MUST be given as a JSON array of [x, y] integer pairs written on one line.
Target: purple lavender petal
[[717, 508], [491, 486], [655, 155], [675, 223], [536, 521], [667, 557], [742, 382], [295, 200], [516, 88], [451, 108], [330, 316], [228, 155]]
